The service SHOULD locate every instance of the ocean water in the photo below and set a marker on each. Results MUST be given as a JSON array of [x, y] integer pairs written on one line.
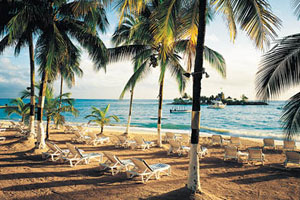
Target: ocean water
[[244, 121]]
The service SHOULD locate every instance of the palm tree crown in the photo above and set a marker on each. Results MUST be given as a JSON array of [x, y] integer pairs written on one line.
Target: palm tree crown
[[99, 117]]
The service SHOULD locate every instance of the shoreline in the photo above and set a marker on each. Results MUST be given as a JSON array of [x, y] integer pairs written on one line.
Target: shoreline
[[152, 131]]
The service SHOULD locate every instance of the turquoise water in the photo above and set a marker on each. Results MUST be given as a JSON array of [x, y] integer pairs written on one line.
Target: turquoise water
[[246, 121]]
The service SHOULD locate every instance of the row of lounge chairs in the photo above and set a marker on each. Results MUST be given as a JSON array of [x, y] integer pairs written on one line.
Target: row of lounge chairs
[[137, 143], [90, 138], [252, 154], [133, 167]]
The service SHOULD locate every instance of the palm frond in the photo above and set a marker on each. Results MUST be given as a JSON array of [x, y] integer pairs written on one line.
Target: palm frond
[[125, 52], [291, 116], [225, 7], [255, 17], [296, 5], [279, 68], [215, 60]]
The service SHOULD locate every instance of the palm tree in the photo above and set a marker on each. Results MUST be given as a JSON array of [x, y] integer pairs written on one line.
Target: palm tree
[[20, 108], [99, 117], [279, 70], [26, 13], [53, 108], [61, 21], [145, 54], [253, 16]]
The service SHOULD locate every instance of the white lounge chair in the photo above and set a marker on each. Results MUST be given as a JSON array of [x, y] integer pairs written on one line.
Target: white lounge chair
[[79, 157], [170, 136], [202, 151], [216, 140], [69, 129], [146, 171], [256, 154], [114, 164], [269, 143], [80, 138], [54, 152], [235, 141], [289, 145], [2, 138], [123, 141], [232, 153], [185, 138], [176, 147], [94, 140], [141, 143], [292, 157]]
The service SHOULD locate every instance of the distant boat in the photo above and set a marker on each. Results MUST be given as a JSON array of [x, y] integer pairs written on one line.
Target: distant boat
[[217, 105], [179, 110]]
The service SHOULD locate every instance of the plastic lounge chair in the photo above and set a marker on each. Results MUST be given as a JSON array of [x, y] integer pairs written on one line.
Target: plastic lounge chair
[[269, 143], [114, 164], [2, 138], [202, 151], [289, 145], [79, 157], [97, 140], [141, 143], [79, 137], [176, 147], [232, 153], [123, 141], [69, 129], [216, 139], [147, 171], [256, 154], [170, 136], [292, 157], [235, 141]]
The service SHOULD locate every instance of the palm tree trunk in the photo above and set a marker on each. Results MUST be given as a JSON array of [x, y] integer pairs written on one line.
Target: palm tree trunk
[[130, 110], [101, 132], [160, 101], [61, 90], [32, 87], [60, 94], [41, 132], [194, 175], [48, 128]]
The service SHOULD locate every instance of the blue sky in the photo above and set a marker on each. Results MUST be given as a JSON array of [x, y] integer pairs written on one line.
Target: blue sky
[[241, 57]]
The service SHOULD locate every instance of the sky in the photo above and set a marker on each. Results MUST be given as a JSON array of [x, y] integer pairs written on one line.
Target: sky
[[242, 61]]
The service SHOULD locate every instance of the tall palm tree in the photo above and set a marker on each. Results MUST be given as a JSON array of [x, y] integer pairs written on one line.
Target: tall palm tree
[[145, 54], [253, 16], [99, 117], [26, 13], [62, 21], [19, 107], [54, 108], [279, 70]]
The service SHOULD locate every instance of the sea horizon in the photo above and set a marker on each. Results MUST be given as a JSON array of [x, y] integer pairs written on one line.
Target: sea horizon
[[235, 120]]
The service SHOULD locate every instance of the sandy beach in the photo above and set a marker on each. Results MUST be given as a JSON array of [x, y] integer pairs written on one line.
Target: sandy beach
[[28, 176]]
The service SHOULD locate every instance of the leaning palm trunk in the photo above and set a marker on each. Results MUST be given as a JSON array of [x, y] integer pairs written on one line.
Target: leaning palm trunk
[[48, 128], [61, 90], [60, 94], [32, 86], [160, 101], [130, 110], [194, 175], [41, 132]]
